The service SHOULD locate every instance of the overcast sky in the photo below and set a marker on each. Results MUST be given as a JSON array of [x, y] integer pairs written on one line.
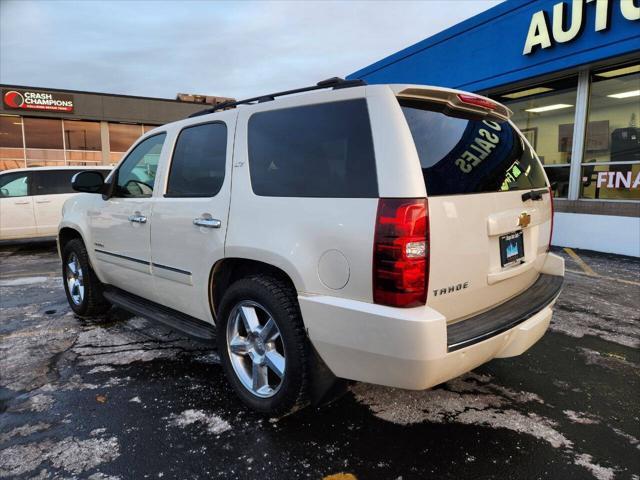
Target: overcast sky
[[235, 49]]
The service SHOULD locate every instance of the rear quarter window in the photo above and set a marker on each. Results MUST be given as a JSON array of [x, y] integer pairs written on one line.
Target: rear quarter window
[[323, 150], [53, 182], [461, 155]]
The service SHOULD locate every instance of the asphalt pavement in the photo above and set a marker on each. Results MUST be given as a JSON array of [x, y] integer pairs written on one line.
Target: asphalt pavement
[[124, 398]]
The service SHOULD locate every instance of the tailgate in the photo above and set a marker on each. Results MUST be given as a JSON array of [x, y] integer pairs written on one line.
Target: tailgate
[[489, 205], [467, 275]]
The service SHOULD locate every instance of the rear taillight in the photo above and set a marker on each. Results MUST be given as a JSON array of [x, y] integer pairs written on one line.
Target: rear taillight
[[552, 212], [401, 252]]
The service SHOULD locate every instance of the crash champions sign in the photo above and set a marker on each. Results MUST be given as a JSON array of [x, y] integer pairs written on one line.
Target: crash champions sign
[[37, 100]]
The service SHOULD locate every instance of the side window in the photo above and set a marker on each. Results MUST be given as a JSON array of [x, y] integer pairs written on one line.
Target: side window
[[197, 168], [14, 184], [137, 173], [52, 182], [323, 150]]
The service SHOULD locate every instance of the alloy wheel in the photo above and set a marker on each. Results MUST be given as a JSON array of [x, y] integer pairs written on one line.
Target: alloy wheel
[[75, 279], [256, 349]]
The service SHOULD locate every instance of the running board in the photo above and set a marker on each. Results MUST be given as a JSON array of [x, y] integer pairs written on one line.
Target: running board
[[187, 324]]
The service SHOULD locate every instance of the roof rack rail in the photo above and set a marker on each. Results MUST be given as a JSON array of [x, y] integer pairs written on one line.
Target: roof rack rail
[[334, 82]]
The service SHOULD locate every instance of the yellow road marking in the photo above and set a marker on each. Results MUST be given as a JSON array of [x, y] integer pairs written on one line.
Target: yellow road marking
[[340, 476], [586, 268]]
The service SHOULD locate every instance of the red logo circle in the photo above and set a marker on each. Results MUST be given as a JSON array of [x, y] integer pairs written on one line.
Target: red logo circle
[[13, 99]]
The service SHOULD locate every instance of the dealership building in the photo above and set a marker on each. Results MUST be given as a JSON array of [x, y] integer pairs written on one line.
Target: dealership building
[[51, 127], [570, 72]]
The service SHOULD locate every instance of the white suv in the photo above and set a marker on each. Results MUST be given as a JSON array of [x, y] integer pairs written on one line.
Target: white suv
[[31, 200], [392, 234]]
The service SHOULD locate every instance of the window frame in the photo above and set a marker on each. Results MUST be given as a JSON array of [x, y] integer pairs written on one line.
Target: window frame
[[173, 152], [113, 179], [29, 175]]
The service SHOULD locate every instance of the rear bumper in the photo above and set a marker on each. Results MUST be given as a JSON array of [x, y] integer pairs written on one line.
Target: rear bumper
[[413, 348]]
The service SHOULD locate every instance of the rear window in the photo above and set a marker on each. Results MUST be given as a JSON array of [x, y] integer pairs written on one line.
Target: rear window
[[467, 155], [323, 150]]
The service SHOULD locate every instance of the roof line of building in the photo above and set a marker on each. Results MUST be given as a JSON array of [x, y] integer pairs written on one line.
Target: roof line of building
[[62, 90]]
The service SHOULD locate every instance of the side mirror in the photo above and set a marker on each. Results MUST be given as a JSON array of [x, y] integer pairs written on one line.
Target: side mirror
[[88, 182]]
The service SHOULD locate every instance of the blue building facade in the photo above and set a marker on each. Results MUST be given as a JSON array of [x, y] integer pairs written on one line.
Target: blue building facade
[[570, 72]]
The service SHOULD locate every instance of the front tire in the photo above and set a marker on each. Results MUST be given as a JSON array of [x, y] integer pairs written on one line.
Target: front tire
[[263, 346], [83, 289]]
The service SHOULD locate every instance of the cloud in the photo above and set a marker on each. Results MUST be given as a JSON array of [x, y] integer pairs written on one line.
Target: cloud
[[234, 49]]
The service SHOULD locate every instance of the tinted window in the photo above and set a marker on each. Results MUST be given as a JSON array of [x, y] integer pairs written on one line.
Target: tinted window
[[137, 173], [55, 182], [43, 133], [197, 168], [321, 150], [14, 184], [464, 155], [10, 132], [82, 135]]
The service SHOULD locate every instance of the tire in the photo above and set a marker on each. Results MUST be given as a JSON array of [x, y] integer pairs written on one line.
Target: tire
[[271, 299], [83, 289]]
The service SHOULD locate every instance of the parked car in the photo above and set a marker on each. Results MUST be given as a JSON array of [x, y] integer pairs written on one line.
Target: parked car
[[31, 200], [391, 234]]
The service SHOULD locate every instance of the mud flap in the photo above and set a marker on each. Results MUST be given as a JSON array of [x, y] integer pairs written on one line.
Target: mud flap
[[325, 387]]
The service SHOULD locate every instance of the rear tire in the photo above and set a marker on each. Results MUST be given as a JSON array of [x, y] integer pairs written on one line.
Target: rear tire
[[263, 346], [83, 289]]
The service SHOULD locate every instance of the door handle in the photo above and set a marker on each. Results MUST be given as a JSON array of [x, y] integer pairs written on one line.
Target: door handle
[[137, 218], [21, 203], [207, 222], [43, 201]]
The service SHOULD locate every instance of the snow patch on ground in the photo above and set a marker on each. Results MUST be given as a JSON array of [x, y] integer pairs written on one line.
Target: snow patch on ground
[[101, 368], [211, 421], [24, 431], [70, 454], [581, 417], [469, 399], [136, 399], [598, 471], [16, 282], [630, 438], [37, 403]]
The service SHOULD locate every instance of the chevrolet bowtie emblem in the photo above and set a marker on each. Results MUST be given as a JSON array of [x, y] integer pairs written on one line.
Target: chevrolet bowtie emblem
[[524, 220]]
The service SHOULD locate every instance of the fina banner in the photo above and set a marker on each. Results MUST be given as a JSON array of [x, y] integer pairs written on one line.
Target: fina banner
[[37, 100]]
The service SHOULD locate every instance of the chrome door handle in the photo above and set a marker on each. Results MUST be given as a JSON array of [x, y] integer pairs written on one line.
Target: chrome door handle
[[138, 218], [207, 222], [21, 203], [43, 201]]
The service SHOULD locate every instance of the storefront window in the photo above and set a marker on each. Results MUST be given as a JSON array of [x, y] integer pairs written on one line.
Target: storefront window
[[122, 136], [545, 114], [43, 133], [11, 145], [10, 132], [81, 135], [43, 141], [611, 163]]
